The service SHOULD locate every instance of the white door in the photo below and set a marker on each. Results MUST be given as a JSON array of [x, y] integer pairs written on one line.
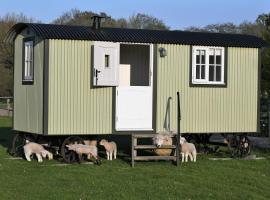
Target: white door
[[134, 103], [106, 64]]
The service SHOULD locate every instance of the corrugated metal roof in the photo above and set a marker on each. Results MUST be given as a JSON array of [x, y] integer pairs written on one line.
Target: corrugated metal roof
[[52, 31]]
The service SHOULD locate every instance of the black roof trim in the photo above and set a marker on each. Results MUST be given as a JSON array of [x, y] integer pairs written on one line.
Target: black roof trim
[[68, 32]]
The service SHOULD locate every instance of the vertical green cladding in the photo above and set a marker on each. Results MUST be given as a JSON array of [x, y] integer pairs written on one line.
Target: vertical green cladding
[[208, 109], [74, 106], [28, 99]]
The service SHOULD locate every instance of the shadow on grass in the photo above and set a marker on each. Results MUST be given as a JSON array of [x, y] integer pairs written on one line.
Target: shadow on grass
[[6, 136]]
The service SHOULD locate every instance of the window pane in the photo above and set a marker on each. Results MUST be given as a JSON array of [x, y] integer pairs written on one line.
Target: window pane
[[197, 71], [107, 60], [218, 60], [211, 60], [31, 53], [197, 56], [211, 56], [25, 69], [218, 73], [203, 72], [25, 53], [211, 72], [28, 60], [202, 56]]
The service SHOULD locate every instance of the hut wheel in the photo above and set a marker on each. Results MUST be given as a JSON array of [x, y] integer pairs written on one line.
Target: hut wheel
[[18, 141], [244, 145], [239, 145], [70, 156]]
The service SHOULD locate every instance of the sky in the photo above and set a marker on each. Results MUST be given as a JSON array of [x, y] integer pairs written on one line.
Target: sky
[[177, 14]]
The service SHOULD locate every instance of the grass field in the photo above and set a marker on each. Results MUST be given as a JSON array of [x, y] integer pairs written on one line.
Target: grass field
[[206, 179]]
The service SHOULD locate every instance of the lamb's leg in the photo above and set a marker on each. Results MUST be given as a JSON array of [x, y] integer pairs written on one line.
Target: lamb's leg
[[182, 155], [39, 157], [27, 156], [80, 158], [88, 156], [194, 156], [97, 160], [115, 152], [108, 155], [190, 156], [186, 157]]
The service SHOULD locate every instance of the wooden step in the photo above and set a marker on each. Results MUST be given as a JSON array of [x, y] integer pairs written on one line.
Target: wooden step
[[154, 147], [155, 158]]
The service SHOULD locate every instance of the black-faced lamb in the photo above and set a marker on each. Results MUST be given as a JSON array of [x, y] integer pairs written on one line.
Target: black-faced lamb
[[110, 147], [37, 149]]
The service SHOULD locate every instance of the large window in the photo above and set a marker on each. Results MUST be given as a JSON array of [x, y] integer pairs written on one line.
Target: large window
[[28, 61], [208, 65]]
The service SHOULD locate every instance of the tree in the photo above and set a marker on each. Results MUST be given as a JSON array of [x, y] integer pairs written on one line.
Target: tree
[[6, 52], [143, 21], [263, 22], [83, 18], [138, 21], [243, 28]]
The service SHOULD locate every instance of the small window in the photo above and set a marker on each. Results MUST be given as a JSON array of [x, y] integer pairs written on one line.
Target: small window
[[208, 65], [107, 60], [28, 61]]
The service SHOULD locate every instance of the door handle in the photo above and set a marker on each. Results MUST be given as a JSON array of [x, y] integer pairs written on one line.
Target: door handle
[[96, 75], [96, 72]]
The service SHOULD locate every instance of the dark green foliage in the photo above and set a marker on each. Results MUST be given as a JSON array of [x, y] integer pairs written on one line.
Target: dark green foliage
[[83, 18], [6, 52], [263, 21], [143, 21], [138, 21]]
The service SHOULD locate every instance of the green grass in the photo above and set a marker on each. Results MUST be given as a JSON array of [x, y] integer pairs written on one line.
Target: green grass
[[206, 179]]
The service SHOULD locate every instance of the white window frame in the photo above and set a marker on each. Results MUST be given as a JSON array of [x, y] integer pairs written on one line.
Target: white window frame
[[206, 80], [28, 61]]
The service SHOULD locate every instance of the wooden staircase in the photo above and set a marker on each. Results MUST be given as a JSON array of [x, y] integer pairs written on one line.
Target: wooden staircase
[[135, 147]]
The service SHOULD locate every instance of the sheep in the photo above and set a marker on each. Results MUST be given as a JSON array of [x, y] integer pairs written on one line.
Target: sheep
[[90, 142], [162, 139], [187, 150], [37, 149], [89, 150], [110, 147]]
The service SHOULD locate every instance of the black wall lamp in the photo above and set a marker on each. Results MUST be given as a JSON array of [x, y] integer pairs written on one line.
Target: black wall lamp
[[162, 52]]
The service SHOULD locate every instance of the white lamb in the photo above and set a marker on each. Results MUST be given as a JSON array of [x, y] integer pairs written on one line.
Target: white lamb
[[90, 143], [110, 147], [37, 149], [89, 150], [188, 150]]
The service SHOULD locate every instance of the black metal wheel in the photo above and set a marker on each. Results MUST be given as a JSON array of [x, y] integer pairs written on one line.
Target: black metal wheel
[[18, 141], [68, 155], [239, 145], [244, 145]]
